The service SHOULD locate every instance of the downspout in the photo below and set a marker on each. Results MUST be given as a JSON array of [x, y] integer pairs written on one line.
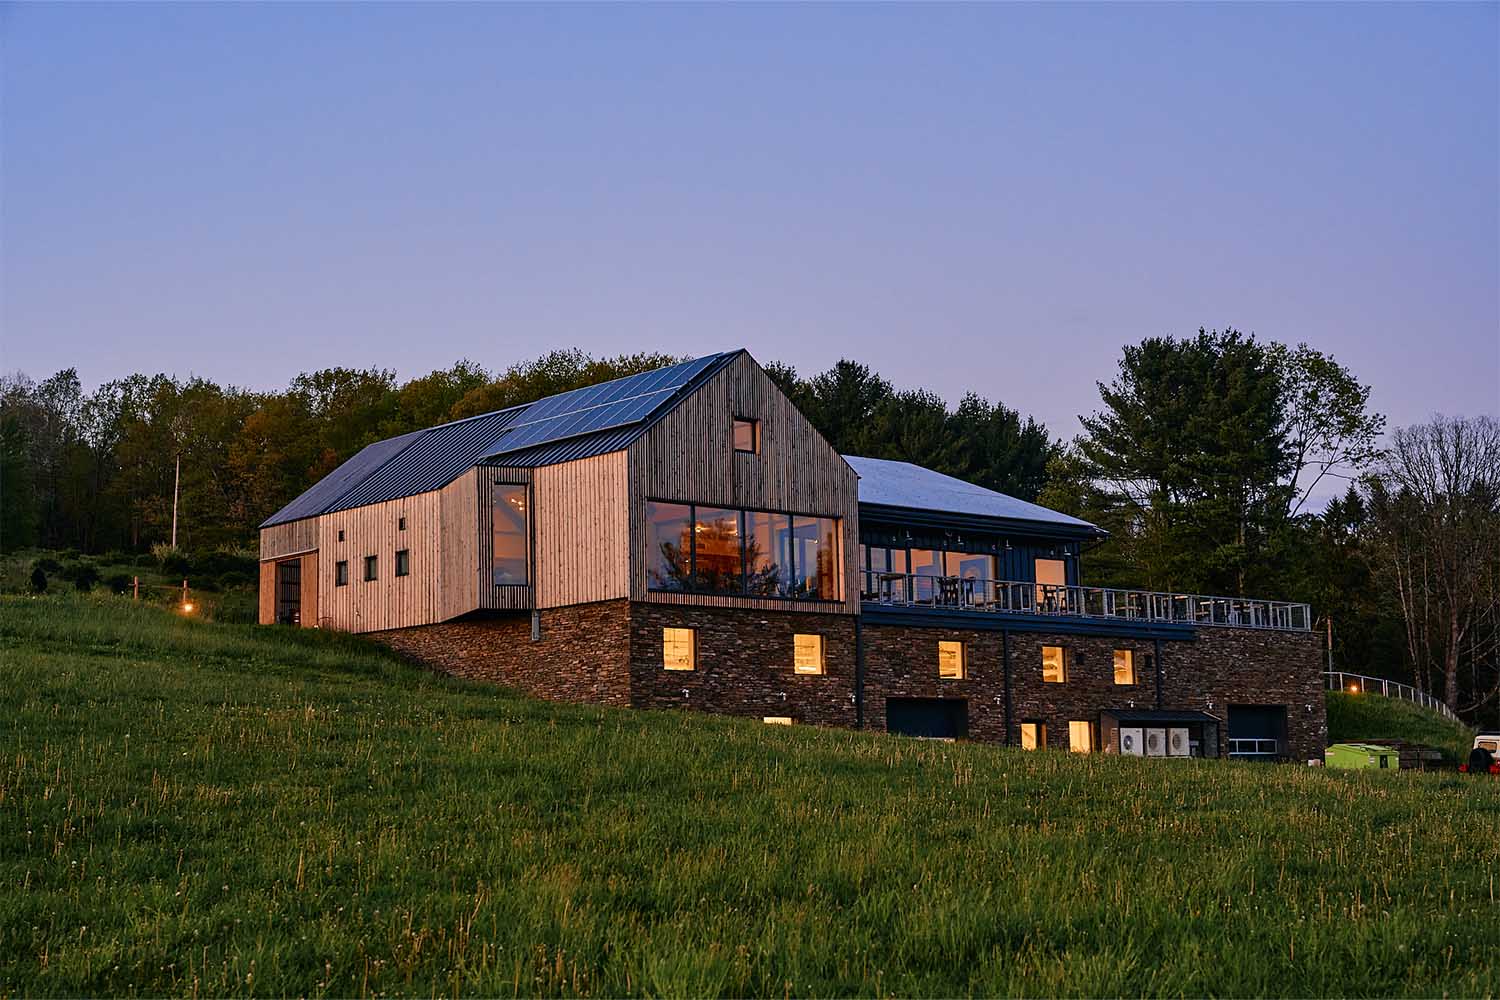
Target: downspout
[[859, 675], [1005, 665], [1159, 669]]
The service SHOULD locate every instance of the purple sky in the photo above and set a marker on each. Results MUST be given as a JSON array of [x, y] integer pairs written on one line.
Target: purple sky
[[968, 197]]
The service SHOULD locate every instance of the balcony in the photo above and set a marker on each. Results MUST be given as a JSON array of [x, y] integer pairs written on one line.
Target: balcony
[[1141, 607]]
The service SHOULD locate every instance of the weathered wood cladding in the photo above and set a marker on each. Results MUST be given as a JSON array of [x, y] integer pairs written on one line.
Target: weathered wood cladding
[[509, 597], [307, 590], [266, 595], [688, 455], [440, 541], [291, 538], [581, 530]]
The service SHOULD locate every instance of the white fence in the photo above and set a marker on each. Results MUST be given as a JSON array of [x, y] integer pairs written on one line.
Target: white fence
[[1338, 680]]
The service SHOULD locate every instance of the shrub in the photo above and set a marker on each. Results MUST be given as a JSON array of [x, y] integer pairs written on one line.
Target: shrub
[[48, 565], [83, 574], [38, 579], [171, 560], [119, 583], [145, 560]]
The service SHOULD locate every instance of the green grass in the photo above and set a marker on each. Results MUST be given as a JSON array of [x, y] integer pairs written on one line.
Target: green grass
[[197, 809], [1355, 717]]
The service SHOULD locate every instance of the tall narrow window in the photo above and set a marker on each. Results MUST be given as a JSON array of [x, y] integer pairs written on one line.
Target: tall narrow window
[[746, 435], [403, 562], [1081, 736], [951, 660], [341, 573], [372, 568], [400, 524], [1054, 665], [807, 654], [716, 537], [1033, 736], [1124, 666], [815, 558], [669, 546], [679, 649], [510, 535]]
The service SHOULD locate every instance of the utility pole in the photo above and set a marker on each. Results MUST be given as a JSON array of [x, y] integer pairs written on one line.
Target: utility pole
[[1329, 620], [176, 479]]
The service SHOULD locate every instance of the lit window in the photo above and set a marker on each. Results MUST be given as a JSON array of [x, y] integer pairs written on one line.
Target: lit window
[[807, 654], [1051, 584], [679, 649], [1124, 666], [1033, 736], [509, 535], [341, 573], [777, 720], [403, 562], [1054, 665], [746, 435], [1081, 737], [717, 551], [372, 566], [951, 659]]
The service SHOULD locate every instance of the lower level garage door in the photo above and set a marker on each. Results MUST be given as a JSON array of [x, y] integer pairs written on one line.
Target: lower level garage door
[[1257, 732], [940, 718]]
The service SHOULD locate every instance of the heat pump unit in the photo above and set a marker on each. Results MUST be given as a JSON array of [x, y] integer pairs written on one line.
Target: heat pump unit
[[1177, 743], [1156, 743], [1130, 742]]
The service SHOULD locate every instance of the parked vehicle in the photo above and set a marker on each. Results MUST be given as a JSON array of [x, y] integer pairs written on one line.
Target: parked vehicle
[[1482, 757]]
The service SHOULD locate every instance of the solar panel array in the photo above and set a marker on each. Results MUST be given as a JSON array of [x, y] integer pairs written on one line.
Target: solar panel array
[[560, 428], [596, 408]]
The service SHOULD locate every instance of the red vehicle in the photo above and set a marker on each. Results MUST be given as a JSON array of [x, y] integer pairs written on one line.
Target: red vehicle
[[1482, 757]]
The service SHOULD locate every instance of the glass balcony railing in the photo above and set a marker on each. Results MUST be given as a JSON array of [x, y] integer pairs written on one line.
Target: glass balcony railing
[[1010, 597]]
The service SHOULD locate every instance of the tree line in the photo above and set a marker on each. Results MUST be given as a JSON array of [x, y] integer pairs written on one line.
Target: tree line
[[1207, 457]]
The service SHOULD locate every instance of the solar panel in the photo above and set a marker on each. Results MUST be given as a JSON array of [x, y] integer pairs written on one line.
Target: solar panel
[[597, 407]]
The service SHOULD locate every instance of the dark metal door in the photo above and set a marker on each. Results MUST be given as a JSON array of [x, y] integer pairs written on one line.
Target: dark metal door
[[935, 718], [1257, 732], [289, 592]]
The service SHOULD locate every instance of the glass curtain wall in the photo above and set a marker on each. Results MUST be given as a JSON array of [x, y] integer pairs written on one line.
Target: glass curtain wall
[[721, 550]]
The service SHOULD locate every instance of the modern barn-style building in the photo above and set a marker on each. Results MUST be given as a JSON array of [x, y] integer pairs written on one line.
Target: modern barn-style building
[[685, 537]]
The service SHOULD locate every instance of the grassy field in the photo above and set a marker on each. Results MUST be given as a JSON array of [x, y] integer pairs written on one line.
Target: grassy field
[[190, 808], [1354, 717]]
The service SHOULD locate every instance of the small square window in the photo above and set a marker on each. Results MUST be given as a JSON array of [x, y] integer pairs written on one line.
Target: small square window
[[1054, 665], [1124, 666], [403, 562], [1033, 736], [341, 573], [679, 649], [1081, 736], [807, 654], [372, 567], [400, 524], [746, 435], [952, 660]]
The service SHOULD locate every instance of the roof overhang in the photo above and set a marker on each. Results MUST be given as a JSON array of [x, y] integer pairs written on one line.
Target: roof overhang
[[885, 513]]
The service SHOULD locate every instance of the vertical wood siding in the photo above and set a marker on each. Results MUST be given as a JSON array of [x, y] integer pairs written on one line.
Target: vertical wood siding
[[287, 539], [511, 597], [266, 597], [440, 539], [309, 587], [582, 531], [689, 455]]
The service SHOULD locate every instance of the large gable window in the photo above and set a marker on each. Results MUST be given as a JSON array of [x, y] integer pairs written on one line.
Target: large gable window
[[509, 535], [724, 550]]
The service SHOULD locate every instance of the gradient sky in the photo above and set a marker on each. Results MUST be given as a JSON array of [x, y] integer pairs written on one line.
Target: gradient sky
[[966, 197]]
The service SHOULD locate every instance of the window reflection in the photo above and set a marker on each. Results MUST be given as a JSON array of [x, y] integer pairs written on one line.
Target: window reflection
[[509, 535], [767, 545], [716, 532], [669, 539]]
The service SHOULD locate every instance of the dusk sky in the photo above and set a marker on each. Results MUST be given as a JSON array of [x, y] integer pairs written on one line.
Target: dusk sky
[[992, 198]]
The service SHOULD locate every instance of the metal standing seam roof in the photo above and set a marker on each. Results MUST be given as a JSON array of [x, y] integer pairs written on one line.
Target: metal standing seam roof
[[579, 423], [902, 484]]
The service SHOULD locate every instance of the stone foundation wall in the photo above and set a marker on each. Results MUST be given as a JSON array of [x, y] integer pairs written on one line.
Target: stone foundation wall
[[1090, 686], [902, 662], [582, 655], [1235, 666], [744, 664]]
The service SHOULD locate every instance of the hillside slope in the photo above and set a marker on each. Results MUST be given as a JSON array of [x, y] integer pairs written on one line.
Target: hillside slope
[[1354, 717], [189, 808]]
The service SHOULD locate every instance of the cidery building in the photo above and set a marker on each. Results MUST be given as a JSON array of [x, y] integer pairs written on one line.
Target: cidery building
[[686, 538]]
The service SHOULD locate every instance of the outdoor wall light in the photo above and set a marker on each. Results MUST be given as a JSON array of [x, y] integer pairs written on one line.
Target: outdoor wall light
[[783, 696], [684, 692]]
